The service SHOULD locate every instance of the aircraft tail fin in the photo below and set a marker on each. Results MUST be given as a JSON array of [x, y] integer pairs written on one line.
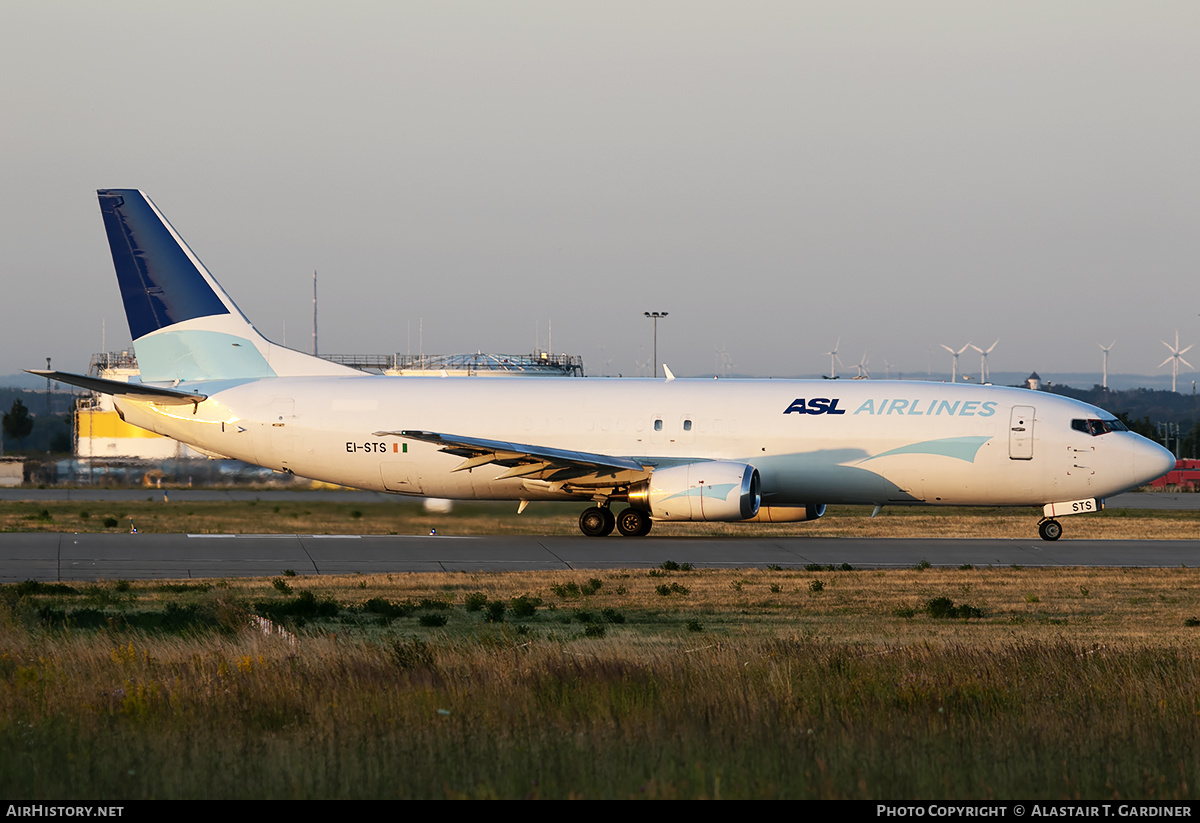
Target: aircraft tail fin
[[184, 326]]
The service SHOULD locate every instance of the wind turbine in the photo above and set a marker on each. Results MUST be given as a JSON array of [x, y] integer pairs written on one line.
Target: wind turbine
[[1176, 358], [954, 368], [1106, 350], [983, 369], [643, 362], [863, 374], [833, 355], [723, 361]]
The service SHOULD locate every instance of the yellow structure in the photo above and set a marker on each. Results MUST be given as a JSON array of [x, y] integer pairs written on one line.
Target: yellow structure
[[100, 433]]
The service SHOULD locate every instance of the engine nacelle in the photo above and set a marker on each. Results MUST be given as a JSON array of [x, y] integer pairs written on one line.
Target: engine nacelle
[[789, 514], [712, 490]]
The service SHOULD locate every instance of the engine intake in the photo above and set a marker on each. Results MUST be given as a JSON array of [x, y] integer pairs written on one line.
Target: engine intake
[[712, 490]]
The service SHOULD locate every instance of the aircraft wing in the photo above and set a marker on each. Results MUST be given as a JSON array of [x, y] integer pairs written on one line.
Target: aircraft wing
[[535, 462], [120, 387]]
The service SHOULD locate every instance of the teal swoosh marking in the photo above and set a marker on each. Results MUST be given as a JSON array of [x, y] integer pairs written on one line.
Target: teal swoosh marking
[[960, 448], [198, 354], [720, 490]]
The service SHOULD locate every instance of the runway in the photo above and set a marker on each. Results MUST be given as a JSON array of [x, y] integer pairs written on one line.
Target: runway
[[88, 557]]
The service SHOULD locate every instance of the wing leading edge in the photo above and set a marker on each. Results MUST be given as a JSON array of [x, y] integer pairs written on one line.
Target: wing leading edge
[[120, 388], [533, 462]]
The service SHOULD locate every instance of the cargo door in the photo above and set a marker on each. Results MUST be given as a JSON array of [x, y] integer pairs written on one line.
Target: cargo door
[[1020, 433]]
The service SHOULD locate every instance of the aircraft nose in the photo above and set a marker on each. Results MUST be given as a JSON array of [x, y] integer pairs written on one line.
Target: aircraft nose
[[1151, 461]]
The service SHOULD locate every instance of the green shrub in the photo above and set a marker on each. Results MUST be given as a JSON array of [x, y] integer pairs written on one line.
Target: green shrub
[[674, 588], [943, 607], [525, 605], [566, 590], [303, 606], [386, 608], [30, 587]]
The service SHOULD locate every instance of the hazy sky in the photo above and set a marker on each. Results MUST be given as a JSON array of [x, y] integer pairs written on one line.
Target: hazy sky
[[775, 175]]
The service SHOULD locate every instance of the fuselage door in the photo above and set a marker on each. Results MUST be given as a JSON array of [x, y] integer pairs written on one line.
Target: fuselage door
[[282, 430], [1020, 433]]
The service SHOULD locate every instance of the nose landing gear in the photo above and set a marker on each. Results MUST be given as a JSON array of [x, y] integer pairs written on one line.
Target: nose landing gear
[[1050, 529]]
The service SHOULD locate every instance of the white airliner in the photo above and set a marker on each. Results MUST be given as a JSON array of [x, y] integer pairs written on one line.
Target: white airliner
[[715, 450]]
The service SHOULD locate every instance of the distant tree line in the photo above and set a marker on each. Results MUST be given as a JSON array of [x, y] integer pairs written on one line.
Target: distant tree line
[[24, 427]]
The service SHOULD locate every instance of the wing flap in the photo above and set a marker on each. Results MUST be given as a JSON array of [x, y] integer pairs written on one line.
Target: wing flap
[[529, 461]]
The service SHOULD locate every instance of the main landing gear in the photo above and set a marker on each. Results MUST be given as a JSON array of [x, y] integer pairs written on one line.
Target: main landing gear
[[598, 521], [1050, 529]]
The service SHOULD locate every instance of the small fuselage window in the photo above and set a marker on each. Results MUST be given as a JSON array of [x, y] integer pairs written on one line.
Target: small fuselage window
[[1098, 427]]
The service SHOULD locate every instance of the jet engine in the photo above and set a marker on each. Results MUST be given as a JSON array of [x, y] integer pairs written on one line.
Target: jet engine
[[711, 490], [789, 514]]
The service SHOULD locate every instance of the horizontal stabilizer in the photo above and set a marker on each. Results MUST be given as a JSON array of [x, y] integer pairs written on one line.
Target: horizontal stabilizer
[[120, 387]]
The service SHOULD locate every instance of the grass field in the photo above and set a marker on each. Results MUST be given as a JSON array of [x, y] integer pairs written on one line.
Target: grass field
[[816, 683], [407, 517]]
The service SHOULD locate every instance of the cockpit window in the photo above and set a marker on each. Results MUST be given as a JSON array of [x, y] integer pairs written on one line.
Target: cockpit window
[[1098, 427]]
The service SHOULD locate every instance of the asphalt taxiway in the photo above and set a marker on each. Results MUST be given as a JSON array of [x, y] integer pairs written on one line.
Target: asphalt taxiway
[[87, 557], [49, 556]]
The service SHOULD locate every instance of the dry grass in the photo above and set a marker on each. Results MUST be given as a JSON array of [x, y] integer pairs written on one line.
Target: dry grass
[[744, 683], [406, 517], [1090, 606]]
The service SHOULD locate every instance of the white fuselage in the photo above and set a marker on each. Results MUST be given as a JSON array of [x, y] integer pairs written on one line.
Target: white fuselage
[[870, 442]]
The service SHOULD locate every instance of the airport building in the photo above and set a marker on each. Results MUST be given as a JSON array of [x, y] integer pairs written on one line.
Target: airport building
[[480, 364]]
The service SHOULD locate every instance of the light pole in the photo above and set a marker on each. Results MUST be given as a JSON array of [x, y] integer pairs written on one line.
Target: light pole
[[48, 404], [655, 315]]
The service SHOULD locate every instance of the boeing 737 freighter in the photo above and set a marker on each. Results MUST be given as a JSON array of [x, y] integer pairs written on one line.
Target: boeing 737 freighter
[[715, 450]]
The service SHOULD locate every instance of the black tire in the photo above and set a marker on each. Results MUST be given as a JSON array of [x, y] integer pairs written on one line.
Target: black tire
[[1050, 529], [610, 520], [646, 524], [596, 522], [633, 523]]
